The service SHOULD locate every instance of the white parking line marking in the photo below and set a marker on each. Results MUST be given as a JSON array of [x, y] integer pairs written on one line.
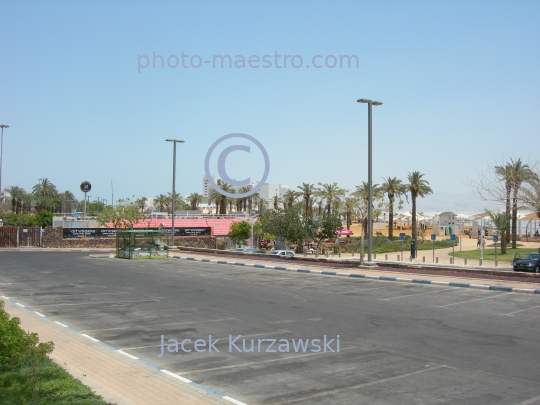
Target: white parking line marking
[[411, 295], [234, 401], [219, 338], [363, 289], [354, 387], [477, 299], [165, 324], [89, 337], [128, 355], [521, 310], [535, 400], [175, 376], [264, 361]]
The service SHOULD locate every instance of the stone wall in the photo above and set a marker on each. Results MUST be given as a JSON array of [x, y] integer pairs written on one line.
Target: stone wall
[[53, 238], [208, 242]]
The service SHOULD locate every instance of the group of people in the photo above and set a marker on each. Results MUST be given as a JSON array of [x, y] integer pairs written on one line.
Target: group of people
[[481, 242]]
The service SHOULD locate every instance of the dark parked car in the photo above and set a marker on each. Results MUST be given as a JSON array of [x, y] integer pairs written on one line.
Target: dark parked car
[[529, 262]]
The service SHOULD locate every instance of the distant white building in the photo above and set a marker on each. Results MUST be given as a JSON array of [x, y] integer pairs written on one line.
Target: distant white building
[[268, 191], [207, 187]]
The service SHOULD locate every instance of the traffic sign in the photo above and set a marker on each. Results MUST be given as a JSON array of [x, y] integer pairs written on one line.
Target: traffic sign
[[453, 237], [495, 238], [86, 186], [401, 236], [433, 236]]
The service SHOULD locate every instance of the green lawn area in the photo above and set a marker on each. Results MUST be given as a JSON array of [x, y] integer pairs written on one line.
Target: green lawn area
[[489, 253], [28, 376], [41, 381]]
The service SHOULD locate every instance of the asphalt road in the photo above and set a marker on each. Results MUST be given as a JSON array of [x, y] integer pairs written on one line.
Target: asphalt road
[[400, 343]]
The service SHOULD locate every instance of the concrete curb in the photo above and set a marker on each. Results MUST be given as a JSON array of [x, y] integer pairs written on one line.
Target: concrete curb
[[97, 341], [368, 276]]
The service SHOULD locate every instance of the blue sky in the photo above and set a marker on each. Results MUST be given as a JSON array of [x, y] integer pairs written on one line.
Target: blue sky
[[459, 81]]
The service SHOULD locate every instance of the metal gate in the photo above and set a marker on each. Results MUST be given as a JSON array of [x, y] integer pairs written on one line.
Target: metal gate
[[20, 236]]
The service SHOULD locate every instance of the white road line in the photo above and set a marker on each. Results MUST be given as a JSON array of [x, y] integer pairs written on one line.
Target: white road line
[[521, 310], [165, 324], [335, 391], [234, 401], [21, 305], [411, 295], [175, 376], [477, 299], [61, 324], [535, 400], [89, 337], [221, 338], [363, 289], [264, 361], [128, 355], [39, 313]]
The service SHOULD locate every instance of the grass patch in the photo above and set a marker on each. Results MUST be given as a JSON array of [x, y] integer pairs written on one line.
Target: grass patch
[[29, 377], [489, 254]]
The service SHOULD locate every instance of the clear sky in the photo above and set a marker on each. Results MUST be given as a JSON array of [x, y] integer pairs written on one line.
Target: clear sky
[[460, 83]]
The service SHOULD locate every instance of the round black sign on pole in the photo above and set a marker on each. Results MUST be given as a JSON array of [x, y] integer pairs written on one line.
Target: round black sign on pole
[[86, 186]]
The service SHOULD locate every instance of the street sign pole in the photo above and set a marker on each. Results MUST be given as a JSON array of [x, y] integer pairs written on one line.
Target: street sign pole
[[495, 240], [433, 236]]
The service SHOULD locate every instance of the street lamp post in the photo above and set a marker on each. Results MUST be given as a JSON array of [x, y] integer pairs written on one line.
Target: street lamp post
[[370, 178], [174, 141], [1, 148]]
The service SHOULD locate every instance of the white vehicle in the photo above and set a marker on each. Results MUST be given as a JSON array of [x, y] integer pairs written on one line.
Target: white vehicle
[[282, 253]]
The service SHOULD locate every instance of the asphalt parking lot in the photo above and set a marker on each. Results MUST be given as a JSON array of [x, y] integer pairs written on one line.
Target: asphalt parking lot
[[400, 343]]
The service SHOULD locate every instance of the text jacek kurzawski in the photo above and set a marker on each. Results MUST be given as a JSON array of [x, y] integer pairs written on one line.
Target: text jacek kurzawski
[[238, 344]]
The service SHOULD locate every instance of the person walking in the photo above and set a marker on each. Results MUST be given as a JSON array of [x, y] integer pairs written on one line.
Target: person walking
[[478, 243], [483, 242]]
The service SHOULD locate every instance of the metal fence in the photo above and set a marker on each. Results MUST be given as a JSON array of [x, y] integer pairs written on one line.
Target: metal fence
[[20, 236]]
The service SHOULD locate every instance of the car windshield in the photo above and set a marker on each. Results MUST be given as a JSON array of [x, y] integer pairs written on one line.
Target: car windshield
[[273, 253], [531, 256]]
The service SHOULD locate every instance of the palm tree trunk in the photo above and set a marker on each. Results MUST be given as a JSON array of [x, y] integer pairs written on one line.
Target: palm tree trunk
[[414, 230], [391, 218], [514, 220], [507, 233]]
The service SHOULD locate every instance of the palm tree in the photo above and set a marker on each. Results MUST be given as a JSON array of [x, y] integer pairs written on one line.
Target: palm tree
[[223, 198], [141, 203], [505, 174], [290, 197], [307, 191], [27, 201], [501, 222], [418, 187], [16, 194], [161, 201], [44, 188], [393, 188], [178, 202], [67, 201], [329, 191], [194, 200], [519, 173], [276, 200]]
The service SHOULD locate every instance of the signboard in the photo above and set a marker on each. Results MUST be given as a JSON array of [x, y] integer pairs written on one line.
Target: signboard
[[86, 186], [69, 233], [401, 236], [433, 236], [453, 236], [201, 231], [495, 239]]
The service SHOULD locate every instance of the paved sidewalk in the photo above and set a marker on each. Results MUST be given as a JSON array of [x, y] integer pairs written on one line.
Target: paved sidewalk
[[385, 274], [118, 378]]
